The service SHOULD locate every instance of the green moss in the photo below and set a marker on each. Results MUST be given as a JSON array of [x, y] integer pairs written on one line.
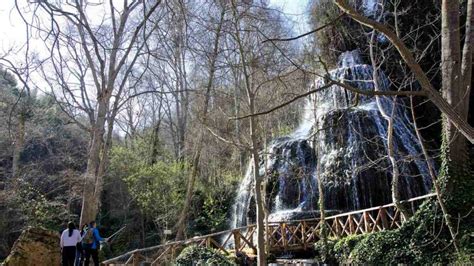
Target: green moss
[[325, 251], [343, 247], [456, 179], [384, 247], [424, 239]]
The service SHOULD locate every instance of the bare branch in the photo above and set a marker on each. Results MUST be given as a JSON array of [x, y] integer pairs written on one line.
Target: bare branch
[[307, 33], [431, 93]]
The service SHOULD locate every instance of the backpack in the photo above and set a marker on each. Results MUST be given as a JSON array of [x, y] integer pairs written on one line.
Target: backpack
[[89, 236]]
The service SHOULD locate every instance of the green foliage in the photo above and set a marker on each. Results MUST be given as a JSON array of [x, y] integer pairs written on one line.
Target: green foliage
[[19, 100], [212, 204], [421, 240], [155, 194], [457, 182], [158, 189], [212, 217], [52, 160], [195, 255], [383, 247], [333, 250], [325, 246], [41, 211], [343, 247], [325, 250], [127, 160]]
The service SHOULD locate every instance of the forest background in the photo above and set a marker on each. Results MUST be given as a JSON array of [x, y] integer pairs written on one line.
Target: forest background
[[168, 117]]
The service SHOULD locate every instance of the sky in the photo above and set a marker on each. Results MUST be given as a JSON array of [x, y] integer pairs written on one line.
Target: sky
[[12, 32], [11, 28], [296, 12]]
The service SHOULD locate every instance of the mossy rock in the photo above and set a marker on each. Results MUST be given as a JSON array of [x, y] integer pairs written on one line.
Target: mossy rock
[[35, 246]]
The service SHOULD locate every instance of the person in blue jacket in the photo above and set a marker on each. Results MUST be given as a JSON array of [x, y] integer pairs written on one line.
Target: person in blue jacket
[[91, 244]]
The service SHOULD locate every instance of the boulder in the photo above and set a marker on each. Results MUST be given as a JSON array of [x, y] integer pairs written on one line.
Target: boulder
[[35, 246]]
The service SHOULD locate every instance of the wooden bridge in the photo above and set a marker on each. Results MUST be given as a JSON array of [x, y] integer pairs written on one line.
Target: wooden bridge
[[298, 235]]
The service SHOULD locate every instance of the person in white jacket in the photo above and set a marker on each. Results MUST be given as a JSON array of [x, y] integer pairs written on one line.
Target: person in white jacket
[[69, 239]]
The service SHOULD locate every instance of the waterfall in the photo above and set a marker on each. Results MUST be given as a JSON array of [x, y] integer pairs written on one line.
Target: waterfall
[[349, 133]]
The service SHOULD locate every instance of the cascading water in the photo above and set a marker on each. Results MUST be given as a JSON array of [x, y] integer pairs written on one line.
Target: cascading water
[[345, 136]]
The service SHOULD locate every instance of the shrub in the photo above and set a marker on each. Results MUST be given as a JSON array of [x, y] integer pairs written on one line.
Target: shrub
[[423, 239], [195, 255], [343, 248], [325, 251]]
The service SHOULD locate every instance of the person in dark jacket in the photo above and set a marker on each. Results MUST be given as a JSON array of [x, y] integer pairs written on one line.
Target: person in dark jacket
[[91, 243], [79, 249], [69, 239]]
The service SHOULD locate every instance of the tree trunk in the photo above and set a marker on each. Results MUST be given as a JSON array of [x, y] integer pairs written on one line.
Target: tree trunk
[[155, 146], [142, 229], [260, 214], [261, 256], [89, 201], [466, 66], [431, 171], [396, 197], [452, 90], [18, 146], [104, 159], [237, 121], [181, 224], [456, 91], [322, 212]]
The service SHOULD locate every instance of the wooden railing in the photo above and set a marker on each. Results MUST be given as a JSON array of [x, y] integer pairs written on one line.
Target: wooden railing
[[281, 236]]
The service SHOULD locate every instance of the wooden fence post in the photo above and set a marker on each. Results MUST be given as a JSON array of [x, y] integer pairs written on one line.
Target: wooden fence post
[[303, 234], [366, 222], [351, 224], [236, 234], [173, 252], [383, 216], [283, 235], [135, 260], [337, 229]]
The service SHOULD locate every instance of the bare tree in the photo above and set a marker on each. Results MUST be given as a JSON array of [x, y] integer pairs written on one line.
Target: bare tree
[[428, 89], [203, 117], [456, 77], [92, 63], [257, 71]]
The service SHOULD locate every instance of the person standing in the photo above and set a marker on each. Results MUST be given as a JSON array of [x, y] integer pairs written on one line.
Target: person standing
[[69, 239], [79, 249], [91, 243]]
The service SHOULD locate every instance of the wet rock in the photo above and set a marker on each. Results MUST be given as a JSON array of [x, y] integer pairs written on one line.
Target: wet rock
[[341, 144]]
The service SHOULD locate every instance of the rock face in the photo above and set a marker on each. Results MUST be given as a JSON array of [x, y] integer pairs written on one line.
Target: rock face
[[35, 247], [340, 142]]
